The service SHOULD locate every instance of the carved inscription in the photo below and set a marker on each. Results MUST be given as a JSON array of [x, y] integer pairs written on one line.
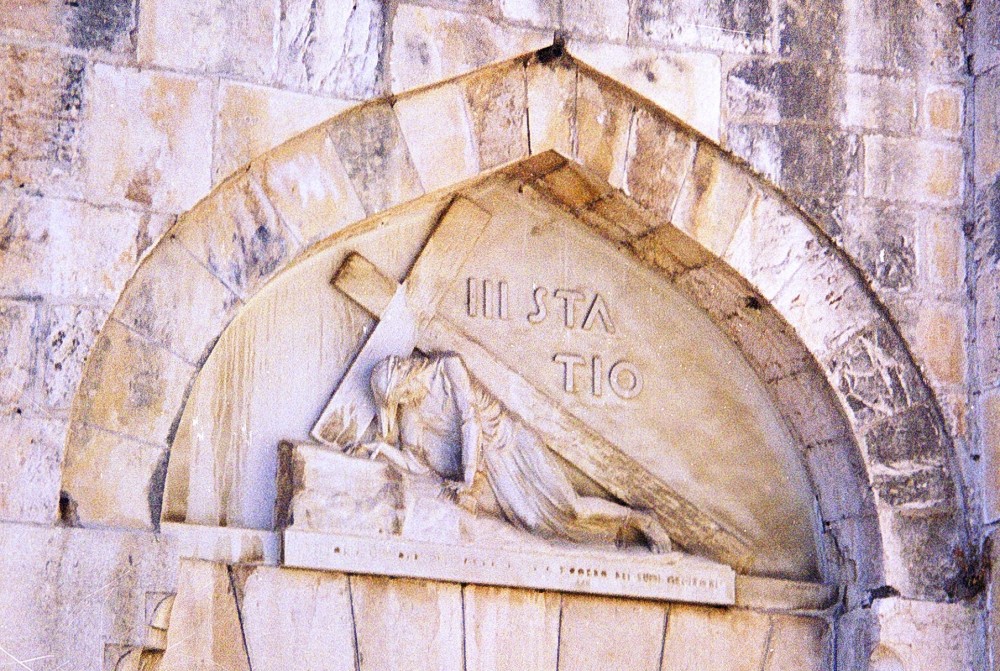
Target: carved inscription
[[576, 310]]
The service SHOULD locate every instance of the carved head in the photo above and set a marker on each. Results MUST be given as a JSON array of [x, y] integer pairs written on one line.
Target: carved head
[[396, 381]]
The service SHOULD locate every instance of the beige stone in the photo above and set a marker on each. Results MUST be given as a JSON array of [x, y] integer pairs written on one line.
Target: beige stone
[[799, 644], [943, 109], [760, 593], [989, 409], [552, 94], [600, 633], [928, 636], [942, 251], [429, 45], [17, 377], [660, 156], [987, 127], [498, 106], [215, 37], [439, 135], [600, 20], [706, 638], [30, 468], [938, 341], [383, 178], [686, 85], [713, 200], [920, 171], [254, 119], [416, 621], [603, 125], [123, 391], [308, 185], [144, 135], [175, 302], [69, 332], [205, 632], [510, 629], [297, 619], [539, 13], [68, 25], [238, 236], [871, 102], [226, 545]]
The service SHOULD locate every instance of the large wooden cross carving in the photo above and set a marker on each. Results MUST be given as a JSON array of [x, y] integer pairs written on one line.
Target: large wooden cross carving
[[407, 320]]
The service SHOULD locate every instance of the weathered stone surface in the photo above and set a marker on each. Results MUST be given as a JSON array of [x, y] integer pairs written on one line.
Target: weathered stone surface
[[874, 375], [439, 135], [254, 119], [111, 480], [69, 332], [498, 106], [18, 321], [144, 137], [538, 13], [373, 150], [989, 423], [810, 32], [926, 553], [744, 25], [928, 636], [99, 25], [871, 102], [660, 156], [799, 644], [215, 37], [716, 289], [944, 109], [887, 253], [920, 171], [941, 252], [597, 19], [987, 351], [72, 251], [600, 633], [774, 91], [713, 200], [296, 619], [223, 544], [333, 47], [982, 35], [308, 185], [937, 337], [686, 85], [122, 389], [805, 401], [510, 629], [175, 302], [429, 44], [30, 468], [237, 235], [770, 594], [987, 127], [839, 473], [921, 488], [430, 637], [603, 123], [767, 342], [671, 251], [552, 92], [705, 638], [205, 631], [858, 543]]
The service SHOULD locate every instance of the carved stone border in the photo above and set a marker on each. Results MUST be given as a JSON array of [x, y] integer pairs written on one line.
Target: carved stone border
[[795, 304]]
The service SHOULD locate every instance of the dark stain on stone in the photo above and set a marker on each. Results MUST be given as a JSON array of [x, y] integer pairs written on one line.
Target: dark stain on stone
[[139, 189], [914, 435], [99, 24], [154, 495], [63, 144], [922, 487], [68, 514], [988, 223], [554, 51]]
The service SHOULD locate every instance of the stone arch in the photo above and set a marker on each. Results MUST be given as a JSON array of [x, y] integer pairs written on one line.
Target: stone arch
[[880, 457]]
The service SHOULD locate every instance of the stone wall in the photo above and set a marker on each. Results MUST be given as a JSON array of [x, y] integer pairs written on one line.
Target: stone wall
[[116, 116]]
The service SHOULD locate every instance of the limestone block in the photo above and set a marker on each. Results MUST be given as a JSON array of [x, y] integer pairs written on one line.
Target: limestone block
[[928, 636], [17, 350], [743, 26], [416, 621], [309, 187], [925, 552], [41, 93], [937, 338], [30, 468], [69, 332], [619, 218], [922, 171], [943, 109], [439, 135], [175, 302], [205, 631], [71, 250], [255, 119], [878, 103], [982, 35], [989, 413], [381, 178], [766, 341], [216, 37], [537, 13], [808, 408], [770, 92], [799, 644], [882, 239], [660, 156], [603, 124], [238, 236], [760, 593], [840, 477], [578, 189], [825, 302], [671, 251], [333, 47], [987, 351], [111, 480], [713, 199], [123, 388], [144, 137], [227, 545], [103, 27], [296, 619], [600, 20], [498, 106], [709, 638], [552, 107], [941, 251], [688, 85], [602, 633], [429, 45], [510, 629], [987, 126], [716, 289]]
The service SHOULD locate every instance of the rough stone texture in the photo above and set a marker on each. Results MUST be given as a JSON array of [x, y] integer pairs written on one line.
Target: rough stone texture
[[97, 25], [660, 157], [701, 638], [69, 332], [597, 19], [929, 636], [19, 322], [30, 468], [600, 633], [498, 107], [743, 25], [509, 630], [925, 172]]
